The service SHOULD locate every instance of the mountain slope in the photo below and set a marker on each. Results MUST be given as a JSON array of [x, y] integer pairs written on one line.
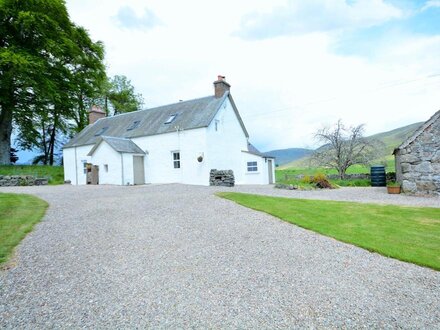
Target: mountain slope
[[283, 156], [392, 139]]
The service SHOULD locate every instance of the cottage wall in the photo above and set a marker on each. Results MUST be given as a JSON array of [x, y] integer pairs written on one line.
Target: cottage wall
[[220, 146], [418, 164]]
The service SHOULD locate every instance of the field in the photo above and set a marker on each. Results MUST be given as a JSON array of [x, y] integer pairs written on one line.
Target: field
[[55, 174], [18, 215], [405, 233]]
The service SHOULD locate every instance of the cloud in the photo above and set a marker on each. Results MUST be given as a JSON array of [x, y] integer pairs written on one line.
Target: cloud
[[304, 17], [431, 4], [127, 18]]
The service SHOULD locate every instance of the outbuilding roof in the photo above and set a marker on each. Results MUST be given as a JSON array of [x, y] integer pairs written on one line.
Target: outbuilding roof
[[184, 115], [419, 131], [122, 145], [254, 151]]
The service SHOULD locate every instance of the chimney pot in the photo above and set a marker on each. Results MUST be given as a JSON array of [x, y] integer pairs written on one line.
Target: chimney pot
[[95, 113], [220, 86]]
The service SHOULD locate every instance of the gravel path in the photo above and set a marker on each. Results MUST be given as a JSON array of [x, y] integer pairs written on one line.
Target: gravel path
[[175, 256]]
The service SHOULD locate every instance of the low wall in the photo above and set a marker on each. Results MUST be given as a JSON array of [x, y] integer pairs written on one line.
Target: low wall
[[21, 180], [221, 178]]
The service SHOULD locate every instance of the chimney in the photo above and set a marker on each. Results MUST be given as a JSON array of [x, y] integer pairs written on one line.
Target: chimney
[[95, 113], [221, 86]]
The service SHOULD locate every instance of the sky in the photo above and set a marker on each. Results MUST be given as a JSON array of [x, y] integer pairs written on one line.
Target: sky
[[294, 66]]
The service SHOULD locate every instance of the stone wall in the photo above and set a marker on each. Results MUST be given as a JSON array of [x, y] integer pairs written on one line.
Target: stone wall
[[418, 164], [21, 180], [221, 178]]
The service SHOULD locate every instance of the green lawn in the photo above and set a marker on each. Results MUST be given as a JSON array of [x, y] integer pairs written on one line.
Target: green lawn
[[406, 233], [18, 214], [55, 174]]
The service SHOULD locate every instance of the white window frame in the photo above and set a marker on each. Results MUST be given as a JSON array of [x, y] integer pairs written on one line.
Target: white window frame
[[252, 166], [176, 161]]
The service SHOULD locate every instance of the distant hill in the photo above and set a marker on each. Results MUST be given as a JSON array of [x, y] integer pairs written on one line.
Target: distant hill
[[391, 139], [283, 156]]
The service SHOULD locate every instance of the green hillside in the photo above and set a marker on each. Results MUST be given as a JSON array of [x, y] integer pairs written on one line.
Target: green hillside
[[391, 139]]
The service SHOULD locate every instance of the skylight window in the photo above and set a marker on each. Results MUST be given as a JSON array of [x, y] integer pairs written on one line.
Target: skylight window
[[134, 125], [101, 131], [171, 119]]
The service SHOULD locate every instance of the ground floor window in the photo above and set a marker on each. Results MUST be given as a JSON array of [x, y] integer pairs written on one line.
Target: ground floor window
[[176, 159], [252, 167]]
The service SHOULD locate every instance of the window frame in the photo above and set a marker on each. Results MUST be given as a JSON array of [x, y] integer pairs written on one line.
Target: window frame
[[101, 131], [135, 124], [252, 166], [176, 160], [170, 119]]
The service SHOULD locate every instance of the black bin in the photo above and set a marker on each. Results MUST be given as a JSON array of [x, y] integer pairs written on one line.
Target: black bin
[[378, 177]]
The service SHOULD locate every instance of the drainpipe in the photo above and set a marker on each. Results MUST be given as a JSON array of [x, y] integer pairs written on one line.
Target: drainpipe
[[122, 168], [76, 168]]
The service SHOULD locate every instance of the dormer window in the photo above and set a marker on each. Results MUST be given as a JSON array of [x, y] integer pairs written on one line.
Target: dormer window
[[171, 119], [101, 131], [134, 125]]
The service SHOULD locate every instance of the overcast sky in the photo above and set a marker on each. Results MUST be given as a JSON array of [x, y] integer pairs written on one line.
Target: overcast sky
[[294, 66]]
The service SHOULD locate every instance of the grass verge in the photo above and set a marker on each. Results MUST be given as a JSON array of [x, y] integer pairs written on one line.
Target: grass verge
[[18, 215], [406, 233], [55, 174]]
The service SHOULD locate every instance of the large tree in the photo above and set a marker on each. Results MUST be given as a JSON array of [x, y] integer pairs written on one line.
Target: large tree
[[121, 96], [48, 66], [344, 147]]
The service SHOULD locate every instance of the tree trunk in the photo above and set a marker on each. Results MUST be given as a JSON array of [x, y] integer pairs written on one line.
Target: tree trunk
[[5, 134]]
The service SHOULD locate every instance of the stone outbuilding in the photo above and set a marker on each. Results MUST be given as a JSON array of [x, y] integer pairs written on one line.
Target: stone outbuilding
[[418, 159]]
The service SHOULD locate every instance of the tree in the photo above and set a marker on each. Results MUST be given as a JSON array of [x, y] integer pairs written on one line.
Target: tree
[[13, 156], [344, 147], [122, 96], [47, 65]]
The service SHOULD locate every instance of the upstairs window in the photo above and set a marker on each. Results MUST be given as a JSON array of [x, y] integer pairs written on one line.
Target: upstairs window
[[101, 131], [176, 159], [252, 167], [134, 125], [171, 119]]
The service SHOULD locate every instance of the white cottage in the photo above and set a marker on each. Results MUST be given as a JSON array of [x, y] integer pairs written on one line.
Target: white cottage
[[176, 143]]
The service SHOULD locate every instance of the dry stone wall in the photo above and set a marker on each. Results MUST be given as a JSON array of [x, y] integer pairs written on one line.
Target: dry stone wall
[[221, 178], [419, 163], [21, 180]]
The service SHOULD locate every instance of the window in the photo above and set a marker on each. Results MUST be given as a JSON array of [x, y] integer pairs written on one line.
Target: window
[[171, 119], [106, 167], [134, 125], [101, 131], [176, 159], [216, 124], [252, 166]]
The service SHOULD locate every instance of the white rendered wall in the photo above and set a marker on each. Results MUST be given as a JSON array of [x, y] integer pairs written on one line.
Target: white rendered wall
[[106, 155], [159, 165], [221, 149], [73, 160]]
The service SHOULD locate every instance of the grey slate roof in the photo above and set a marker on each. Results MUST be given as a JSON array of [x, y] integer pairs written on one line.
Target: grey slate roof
[[190, 114], [419, 131], [119, 144], [254, 151]]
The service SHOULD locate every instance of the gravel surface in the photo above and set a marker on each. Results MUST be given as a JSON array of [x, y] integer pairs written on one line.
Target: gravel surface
[[176, 256]]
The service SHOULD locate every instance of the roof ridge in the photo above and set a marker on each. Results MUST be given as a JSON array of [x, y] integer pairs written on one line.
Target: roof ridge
[[160, 106]]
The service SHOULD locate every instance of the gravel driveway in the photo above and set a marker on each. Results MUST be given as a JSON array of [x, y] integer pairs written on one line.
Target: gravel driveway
[[176, 256]]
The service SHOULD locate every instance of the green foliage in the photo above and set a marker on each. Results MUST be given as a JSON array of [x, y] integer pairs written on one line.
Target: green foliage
[[393, 184], [55, 174], [48, 66], [405, 233], [122, 96], [18, 215]]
